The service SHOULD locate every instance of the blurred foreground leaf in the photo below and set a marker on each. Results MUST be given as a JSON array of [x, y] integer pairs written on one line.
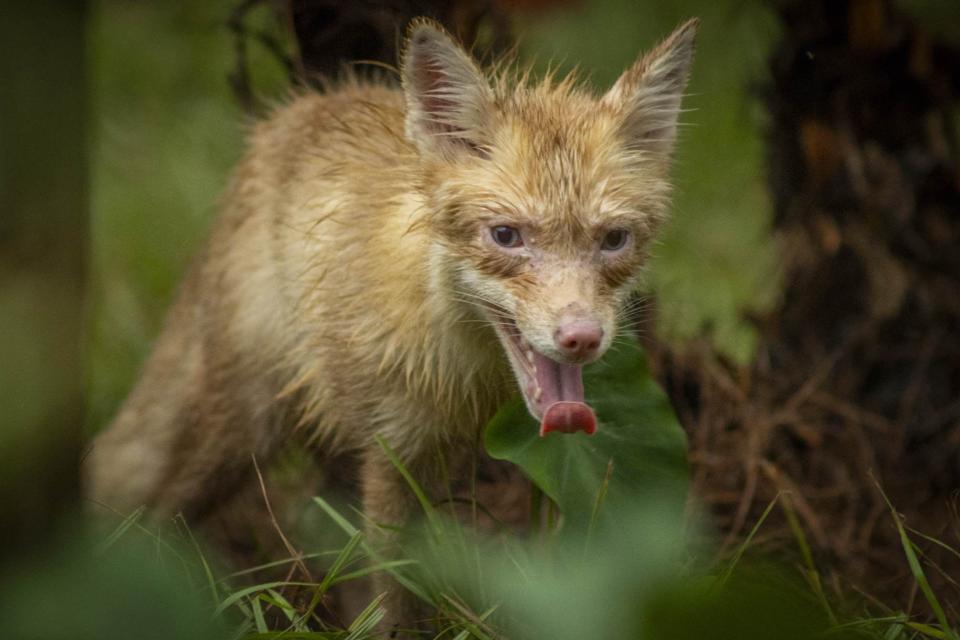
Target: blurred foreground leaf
[[758, 603], [131, 589]]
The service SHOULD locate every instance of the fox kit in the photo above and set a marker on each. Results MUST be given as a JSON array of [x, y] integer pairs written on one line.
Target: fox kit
[[395, 262]]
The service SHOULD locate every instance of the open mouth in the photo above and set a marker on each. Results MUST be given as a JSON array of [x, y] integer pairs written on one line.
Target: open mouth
[[552, 390]]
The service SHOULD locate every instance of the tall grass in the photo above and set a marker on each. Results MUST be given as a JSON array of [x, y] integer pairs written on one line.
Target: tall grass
[[647, 580]]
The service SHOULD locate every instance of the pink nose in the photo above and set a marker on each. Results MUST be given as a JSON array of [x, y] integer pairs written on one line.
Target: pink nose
[[579, 339]]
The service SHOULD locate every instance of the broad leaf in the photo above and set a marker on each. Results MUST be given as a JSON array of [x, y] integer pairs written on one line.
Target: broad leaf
[[638, 434]]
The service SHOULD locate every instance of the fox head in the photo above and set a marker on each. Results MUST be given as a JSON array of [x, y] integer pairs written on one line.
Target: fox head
[[542, 199]]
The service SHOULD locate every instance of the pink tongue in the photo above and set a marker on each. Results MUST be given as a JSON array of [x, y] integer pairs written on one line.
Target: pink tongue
[[561, 397], [568, 417]]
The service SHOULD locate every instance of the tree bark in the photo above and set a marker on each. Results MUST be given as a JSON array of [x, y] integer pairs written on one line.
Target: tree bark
[[856, 383]]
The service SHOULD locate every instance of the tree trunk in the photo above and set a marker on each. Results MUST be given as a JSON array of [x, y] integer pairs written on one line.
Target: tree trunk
[[43, 240], [858, 372]]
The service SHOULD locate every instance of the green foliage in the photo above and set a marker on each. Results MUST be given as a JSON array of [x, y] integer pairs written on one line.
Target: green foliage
[[165, 133], [758, 603], [85, 591], [643, 579], [637, 455]]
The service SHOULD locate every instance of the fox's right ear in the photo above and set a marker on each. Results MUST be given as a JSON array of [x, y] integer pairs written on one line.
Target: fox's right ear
[[449, 102]]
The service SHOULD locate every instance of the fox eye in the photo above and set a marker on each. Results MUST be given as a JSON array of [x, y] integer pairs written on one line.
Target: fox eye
[[614, 240], [505, 236]]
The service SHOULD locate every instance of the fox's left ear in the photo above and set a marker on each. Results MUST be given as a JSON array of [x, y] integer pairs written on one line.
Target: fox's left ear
[[449, 102], [648, 94]]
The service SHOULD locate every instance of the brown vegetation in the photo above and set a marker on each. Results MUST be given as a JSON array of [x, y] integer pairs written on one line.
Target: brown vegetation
[[857, 380]]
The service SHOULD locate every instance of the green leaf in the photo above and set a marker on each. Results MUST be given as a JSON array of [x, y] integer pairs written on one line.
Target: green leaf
[[638, 436]]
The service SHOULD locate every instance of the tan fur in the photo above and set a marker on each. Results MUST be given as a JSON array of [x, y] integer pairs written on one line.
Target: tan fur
[[347, 287]]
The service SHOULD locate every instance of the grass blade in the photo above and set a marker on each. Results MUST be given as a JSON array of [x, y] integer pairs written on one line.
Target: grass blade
[[598, 503], [367, 620], [276, 563], [813, 575], [928, 631], [121, 529], [237, 596], [297, 635], [344, 524], [258, 618], [425, 503], [341, 560], [276, 598], [917, 570], [746, 543], [207, 571], [374, 568]]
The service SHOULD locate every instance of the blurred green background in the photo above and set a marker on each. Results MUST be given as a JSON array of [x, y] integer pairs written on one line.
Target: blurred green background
[[165, 132]]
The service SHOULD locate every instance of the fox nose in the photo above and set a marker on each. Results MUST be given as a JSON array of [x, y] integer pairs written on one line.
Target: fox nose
[[579, 339]]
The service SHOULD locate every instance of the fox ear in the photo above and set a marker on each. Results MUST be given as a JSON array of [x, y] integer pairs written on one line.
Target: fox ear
[[448, 99], [648, 94]]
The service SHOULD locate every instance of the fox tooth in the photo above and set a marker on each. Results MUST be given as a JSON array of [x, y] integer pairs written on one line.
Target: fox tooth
[[530, 356]]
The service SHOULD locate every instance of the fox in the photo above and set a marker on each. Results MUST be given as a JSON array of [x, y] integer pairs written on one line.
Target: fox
[[389, 265]]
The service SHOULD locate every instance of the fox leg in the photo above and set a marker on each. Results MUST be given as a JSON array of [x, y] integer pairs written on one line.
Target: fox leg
[[387, 503], [390, 504]]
